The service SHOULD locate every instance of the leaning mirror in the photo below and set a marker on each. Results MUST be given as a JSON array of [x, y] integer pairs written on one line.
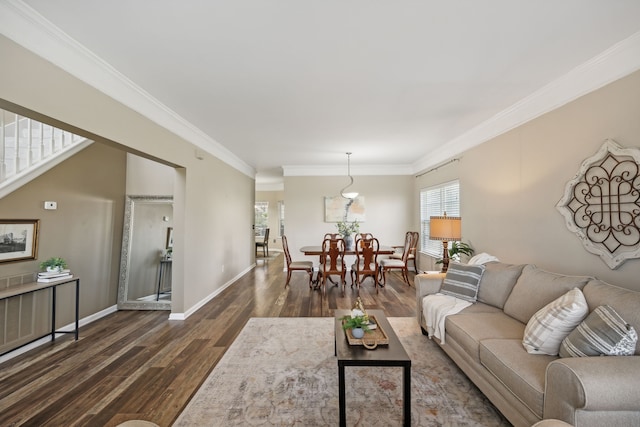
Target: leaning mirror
[[145, 263]]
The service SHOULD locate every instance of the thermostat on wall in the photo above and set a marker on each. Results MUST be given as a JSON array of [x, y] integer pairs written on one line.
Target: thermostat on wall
[[51, 205]]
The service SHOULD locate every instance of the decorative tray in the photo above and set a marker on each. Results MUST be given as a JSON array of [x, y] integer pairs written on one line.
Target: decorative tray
[[372, 338]]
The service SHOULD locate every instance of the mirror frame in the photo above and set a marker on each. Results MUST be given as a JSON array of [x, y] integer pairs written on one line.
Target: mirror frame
[[125, 257]]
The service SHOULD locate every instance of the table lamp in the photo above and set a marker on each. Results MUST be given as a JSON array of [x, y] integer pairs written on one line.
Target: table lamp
[[445, 228]]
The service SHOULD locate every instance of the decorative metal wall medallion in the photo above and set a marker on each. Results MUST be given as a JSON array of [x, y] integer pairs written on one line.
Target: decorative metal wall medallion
[[601, 204]]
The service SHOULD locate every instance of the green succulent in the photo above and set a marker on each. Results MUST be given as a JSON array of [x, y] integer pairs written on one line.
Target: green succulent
[[349, 322], [53, 262]]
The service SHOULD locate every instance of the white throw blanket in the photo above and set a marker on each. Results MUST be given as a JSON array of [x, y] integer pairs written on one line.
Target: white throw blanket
[[482, 258], [436, 308]]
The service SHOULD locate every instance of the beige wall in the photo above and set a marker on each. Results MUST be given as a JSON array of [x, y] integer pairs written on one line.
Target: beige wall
[[148, 178], [389, 202], [511, 184], [85, 230], [213, 202]]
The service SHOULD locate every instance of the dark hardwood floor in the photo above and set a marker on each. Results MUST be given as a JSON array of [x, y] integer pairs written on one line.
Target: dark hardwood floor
[[139, 365]]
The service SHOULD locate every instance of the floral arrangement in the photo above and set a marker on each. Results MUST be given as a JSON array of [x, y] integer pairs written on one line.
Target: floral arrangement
[[348, 228]]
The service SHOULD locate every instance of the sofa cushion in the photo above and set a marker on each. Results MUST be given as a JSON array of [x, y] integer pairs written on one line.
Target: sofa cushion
[[479, 307], [624, 301], [519, 371], [536, 288], [468, 329], [462, 281], [554, 322], [497, 282], [603, 332]]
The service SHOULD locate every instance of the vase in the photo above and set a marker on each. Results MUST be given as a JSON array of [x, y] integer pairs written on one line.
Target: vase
[[357, 333], [348, 241]]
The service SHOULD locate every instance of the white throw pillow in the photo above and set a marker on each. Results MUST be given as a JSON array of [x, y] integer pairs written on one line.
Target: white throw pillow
[[554, 322]]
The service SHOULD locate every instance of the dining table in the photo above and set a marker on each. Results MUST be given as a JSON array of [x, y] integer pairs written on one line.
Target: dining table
[[317, 250]]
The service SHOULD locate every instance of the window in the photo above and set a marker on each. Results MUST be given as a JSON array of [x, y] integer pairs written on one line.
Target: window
[[281, 217], [435, 201], [262, 217]]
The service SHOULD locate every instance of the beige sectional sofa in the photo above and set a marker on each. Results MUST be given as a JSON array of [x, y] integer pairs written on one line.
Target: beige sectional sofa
[[485, 341]]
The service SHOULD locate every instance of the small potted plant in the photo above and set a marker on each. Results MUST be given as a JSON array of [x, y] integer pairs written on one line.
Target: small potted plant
[[54, 265], [456, 249], [358, 325]]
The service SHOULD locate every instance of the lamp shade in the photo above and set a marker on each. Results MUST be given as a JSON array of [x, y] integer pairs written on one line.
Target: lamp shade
[[445, 228]]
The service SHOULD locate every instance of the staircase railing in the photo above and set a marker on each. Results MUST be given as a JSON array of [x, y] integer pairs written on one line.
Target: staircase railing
[[28, 148]]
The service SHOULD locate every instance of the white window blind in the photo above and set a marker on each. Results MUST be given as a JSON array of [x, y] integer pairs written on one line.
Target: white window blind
[[435, 201]]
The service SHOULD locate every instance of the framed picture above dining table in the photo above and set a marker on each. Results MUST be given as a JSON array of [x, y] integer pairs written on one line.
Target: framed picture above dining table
[[337, 209]]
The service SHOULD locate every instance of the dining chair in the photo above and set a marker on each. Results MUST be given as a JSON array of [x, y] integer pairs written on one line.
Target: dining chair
[[412, 253], [366, 263], [332, 262], [295, 265], [264, 244], [399, 264]]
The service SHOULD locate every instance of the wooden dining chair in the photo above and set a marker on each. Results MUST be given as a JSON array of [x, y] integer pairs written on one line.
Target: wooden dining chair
[[264, 244], [399, 264], [366, 263], [332, 262], [412, 253], [295, 265]]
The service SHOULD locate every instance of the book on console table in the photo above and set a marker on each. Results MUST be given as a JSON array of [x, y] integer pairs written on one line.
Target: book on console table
[[50, 274], [55, 278]]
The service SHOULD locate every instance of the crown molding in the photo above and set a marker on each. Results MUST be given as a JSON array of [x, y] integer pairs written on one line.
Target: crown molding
[[362, 170], [22, 24], [620, 60]]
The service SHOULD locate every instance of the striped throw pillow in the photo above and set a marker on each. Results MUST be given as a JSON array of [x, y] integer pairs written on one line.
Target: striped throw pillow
[[554, 322], [602, 333], [462, 281]]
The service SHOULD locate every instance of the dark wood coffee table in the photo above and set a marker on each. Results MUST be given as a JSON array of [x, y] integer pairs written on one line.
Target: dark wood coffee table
[[392, 354]]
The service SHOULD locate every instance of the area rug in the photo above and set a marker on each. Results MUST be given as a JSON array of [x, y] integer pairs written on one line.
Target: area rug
[[282, 372]]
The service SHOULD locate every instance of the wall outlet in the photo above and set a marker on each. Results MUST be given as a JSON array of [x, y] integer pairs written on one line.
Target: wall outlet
[[51, 205]]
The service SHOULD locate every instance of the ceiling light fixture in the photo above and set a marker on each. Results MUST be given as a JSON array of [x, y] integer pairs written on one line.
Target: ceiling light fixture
[[351, 194]]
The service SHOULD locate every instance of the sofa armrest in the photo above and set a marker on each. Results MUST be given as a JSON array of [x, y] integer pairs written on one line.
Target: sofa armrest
[[591, 384], [426, 284]]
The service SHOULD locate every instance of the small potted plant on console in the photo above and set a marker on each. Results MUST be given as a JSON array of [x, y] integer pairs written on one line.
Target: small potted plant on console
[[54, 265]]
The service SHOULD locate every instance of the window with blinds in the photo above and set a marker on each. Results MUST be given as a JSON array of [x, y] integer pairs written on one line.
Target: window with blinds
[[435, 201], [262, 218]]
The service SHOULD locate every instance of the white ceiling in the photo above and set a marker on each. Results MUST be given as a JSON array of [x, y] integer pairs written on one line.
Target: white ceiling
[[403, 84]]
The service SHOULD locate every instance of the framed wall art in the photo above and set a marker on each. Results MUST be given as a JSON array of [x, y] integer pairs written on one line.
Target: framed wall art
[[18, 239], [337, 209]]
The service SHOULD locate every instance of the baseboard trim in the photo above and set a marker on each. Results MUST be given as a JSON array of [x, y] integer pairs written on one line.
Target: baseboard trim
[[202, 302]]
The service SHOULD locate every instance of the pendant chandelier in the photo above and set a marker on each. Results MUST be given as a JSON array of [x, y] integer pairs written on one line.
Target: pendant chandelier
[[349, 194]]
